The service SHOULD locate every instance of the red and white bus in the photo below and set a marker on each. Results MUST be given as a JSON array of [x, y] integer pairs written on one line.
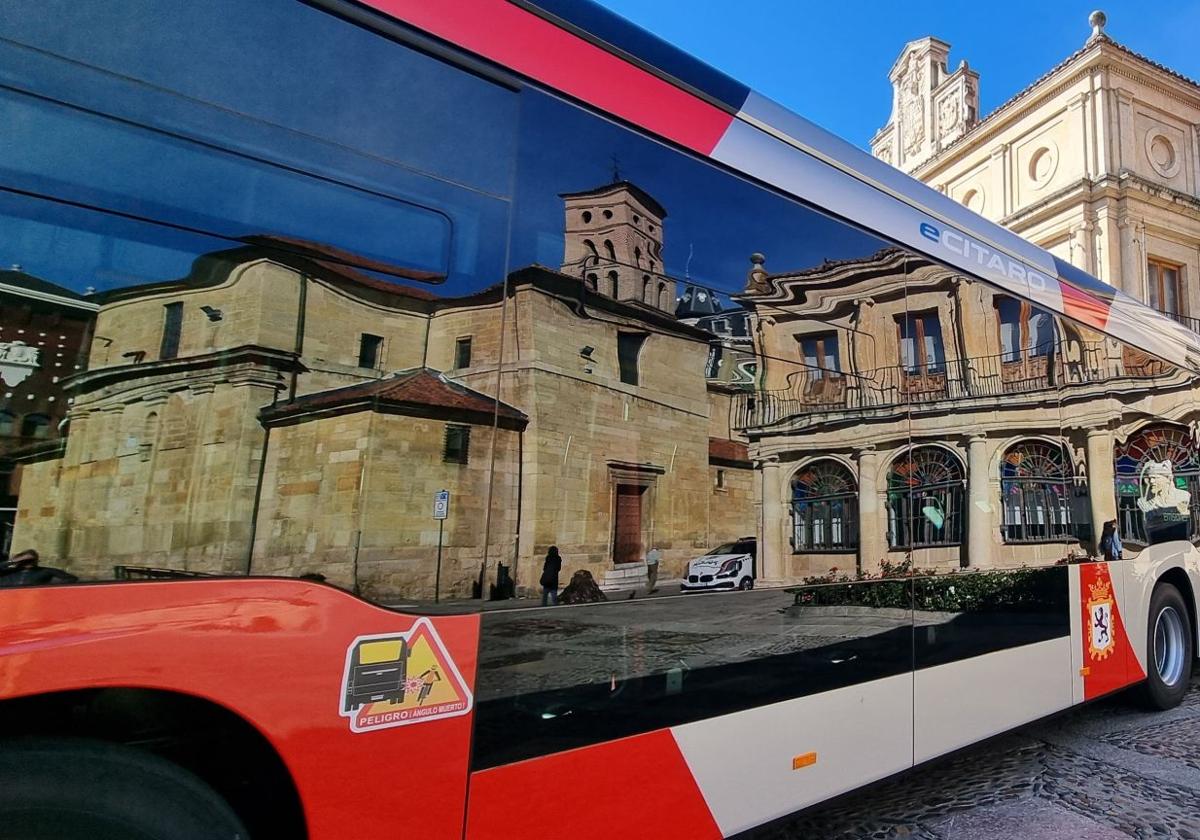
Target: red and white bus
[[330, 244]]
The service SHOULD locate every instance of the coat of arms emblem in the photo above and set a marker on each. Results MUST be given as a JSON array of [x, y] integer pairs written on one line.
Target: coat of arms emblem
[[1100, 608]]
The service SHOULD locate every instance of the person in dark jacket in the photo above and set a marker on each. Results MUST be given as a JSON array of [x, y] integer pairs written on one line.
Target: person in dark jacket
[[22, 569], [549, 581], [1110, 542]]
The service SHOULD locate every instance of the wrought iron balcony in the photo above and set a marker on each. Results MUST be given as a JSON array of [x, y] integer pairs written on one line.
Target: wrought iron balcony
[[1070, 366]]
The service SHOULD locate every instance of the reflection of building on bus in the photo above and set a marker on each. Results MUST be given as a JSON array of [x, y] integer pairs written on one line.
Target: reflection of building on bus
[[44, 332], [907, 408], [369, 395]]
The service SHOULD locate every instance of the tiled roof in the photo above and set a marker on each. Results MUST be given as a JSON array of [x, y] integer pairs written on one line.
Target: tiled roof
[[720, 449], [415, 389], [1030, 88], [36, 284], [351, 266]]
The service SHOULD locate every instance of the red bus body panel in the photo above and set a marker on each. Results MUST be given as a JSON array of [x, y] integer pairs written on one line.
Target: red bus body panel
[[274, 653]]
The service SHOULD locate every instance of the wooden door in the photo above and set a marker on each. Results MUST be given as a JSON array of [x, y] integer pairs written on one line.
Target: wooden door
[[627, 530]]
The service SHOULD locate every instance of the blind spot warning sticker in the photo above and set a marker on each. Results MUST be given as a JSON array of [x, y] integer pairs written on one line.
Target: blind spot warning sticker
[[395, 679]]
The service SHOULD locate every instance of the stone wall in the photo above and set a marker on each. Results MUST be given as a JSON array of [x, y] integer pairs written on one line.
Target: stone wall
[[353, 499]]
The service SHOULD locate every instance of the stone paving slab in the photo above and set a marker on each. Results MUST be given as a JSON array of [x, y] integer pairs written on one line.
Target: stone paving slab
[[1034, 820]]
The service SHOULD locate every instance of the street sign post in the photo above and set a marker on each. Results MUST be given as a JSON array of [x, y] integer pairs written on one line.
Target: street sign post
[[441, 509]]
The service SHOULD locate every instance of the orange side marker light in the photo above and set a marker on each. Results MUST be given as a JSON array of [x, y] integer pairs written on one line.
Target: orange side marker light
[[806, 760]]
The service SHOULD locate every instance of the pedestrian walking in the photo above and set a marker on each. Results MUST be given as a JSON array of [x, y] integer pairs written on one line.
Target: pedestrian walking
[[652, 559], [1110, 542], [549, 581]]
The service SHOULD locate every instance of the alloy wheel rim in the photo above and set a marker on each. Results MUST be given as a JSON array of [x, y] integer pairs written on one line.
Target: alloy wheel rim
[[1168, 646]]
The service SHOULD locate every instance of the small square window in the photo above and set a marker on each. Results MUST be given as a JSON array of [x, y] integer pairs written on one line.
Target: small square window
[[368, 351], [462, 353], [458, 444]]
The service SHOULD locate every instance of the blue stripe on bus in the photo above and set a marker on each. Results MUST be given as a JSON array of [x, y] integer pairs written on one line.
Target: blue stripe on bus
[[617, 31]]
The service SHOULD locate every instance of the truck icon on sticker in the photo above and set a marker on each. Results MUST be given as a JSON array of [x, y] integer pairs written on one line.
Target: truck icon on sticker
[[396, 679]]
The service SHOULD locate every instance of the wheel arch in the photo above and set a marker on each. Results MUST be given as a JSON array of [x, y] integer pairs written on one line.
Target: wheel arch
[[1177, 577], [219, 746]]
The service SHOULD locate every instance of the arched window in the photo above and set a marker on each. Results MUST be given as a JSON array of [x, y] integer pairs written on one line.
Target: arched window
[[608, 249], [592, 281], [1159, 461], [8, 423], [637, 256], [612, 283], [925, 499], [647, 291], [149, 436], [587, 216], [664, 301], [1035, 491], [592, 256], [824, 508], [35, 426]]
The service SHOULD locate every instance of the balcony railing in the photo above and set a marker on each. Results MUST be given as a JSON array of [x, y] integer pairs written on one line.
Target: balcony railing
[[1191, 323], [821, 391]]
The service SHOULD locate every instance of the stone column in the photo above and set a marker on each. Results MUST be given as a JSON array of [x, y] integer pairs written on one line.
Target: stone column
[[771, 554], [979, 504], [872, 524], [1101, 481]]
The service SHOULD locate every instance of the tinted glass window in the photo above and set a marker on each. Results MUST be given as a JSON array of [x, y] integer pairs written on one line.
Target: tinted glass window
[[243, 267]]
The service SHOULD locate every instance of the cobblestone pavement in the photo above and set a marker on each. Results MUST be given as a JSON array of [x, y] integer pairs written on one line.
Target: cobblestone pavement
[[1103, 772]]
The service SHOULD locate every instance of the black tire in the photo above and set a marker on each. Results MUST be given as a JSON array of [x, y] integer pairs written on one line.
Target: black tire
[[746, 584], [51, 789], [1168, 649]]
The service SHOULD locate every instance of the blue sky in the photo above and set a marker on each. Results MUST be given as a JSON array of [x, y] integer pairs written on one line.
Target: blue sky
[[829, 61]]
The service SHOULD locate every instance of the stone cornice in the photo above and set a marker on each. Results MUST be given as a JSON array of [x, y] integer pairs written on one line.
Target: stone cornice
[[220, 361]]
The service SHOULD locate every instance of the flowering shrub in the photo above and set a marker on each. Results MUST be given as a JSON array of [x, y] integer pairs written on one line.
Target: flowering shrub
[[899, 586]]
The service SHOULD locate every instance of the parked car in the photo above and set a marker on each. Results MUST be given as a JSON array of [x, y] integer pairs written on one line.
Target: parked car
[[728, 566]]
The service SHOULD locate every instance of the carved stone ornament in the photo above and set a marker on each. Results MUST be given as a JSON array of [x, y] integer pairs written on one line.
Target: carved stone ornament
[[949, 115], [17, 361], [912, 111]]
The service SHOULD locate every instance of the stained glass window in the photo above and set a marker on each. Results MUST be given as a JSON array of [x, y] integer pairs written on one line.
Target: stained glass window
[[1155, 444], [1036, 480], [925, 498], [824, 508]]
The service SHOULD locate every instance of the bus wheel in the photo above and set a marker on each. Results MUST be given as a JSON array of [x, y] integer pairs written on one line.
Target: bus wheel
[[1168, 649], [55, 788]]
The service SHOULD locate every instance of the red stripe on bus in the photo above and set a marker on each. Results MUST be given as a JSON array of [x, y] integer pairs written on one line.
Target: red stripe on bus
[[536, 48], [635, 787], [1083, 307]]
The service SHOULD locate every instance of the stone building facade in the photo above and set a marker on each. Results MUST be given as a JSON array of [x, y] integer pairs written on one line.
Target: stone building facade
[[1098, 161], [943, 423], [907, 413], [288, 408]]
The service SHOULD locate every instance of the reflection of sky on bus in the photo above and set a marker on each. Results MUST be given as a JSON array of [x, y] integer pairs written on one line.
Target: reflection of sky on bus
[[370, 98]]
